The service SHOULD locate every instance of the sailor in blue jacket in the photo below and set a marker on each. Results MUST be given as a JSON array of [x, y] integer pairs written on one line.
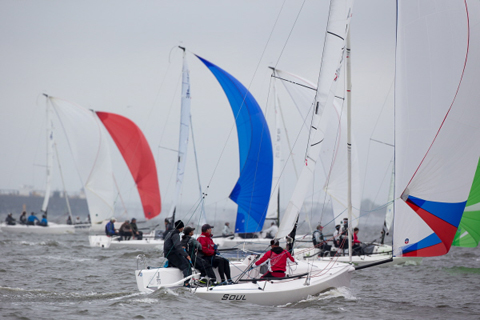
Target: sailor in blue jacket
[[110, 228], [31, 219]]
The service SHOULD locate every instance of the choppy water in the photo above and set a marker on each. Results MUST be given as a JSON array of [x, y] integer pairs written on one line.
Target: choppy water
[[61, 277]]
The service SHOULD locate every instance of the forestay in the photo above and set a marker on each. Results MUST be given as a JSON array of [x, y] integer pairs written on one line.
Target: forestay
[[436, 119]]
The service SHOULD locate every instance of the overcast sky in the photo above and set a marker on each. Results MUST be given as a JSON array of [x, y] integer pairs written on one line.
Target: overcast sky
[[120, 56]]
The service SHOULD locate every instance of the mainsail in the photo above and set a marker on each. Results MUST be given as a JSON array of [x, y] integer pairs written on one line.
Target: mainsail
[[50, 146], [184, 133], [139, 158], [252, 191], [332, 62], [436, 120], [88, 145]]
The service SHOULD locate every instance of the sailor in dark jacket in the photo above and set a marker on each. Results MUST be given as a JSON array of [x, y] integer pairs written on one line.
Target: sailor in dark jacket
[[174, 252], [192, 246]]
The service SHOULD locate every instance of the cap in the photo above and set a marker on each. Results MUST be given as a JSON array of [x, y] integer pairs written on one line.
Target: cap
[[134, 219], [187, 230], [179, 224], [206, 226], [113, 219]]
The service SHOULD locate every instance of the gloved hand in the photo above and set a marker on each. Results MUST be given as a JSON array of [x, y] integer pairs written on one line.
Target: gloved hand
[[215, 247]]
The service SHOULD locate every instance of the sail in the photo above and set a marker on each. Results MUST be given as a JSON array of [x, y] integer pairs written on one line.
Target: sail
[[184, 133], [252, 191], [272, 212], [332, 61], [468, 233], [436, 118], [88, 145], [333, 155], [50, 145], [139, 158]]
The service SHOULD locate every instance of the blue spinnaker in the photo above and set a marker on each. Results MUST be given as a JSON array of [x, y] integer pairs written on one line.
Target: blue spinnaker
[[253, 188]]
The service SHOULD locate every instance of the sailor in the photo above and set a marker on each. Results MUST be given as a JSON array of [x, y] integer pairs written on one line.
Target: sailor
[[168, 227], [192, 246], [277, 258], [211, 255], [226, 232], [110, 228], [271, 232], [174, 252], [319, 240], [78, 221], [44, 222], [10, 220], [23, 218], [69, 220], [336, 236], [137, 234], [31, 219], [126, 230], [357, 247]]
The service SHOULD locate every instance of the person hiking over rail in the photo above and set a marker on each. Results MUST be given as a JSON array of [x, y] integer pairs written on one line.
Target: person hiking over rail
[[174, 252], [277, 257]]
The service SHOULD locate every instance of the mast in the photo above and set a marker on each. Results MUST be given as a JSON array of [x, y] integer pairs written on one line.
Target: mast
[[64, 189], [349, 145]]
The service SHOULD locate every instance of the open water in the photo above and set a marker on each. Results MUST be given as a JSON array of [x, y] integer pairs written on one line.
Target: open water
[[61, 277]]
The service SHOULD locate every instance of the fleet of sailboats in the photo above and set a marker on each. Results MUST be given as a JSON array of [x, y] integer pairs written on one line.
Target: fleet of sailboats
[[435, 181]]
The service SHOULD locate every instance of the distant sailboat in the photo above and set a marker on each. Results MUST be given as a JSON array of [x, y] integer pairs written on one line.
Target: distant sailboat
[[51, 228]]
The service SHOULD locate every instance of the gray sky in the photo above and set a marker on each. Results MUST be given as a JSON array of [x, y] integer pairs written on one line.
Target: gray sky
[[118, 56]]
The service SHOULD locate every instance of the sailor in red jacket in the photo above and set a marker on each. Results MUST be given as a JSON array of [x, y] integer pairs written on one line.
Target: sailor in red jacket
[[210, 254], [278, 260]]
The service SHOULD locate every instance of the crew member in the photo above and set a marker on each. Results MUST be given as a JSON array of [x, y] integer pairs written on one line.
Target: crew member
[[277, 257]]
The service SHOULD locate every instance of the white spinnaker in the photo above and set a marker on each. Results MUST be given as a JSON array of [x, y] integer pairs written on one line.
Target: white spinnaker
[[184, 133], [332, 61], [436, 108], [50, 144], [272, 210], [88, 144], [333, 155]]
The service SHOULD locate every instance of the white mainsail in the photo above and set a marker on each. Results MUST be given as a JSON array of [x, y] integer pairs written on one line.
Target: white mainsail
[[436, 121], [50, 146], [89, 147], [332, 61], [184, 133], [272, 212]]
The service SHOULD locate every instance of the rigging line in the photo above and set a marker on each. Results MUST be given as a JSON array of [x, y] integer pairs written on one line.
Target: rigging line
[[293, 82], [371, 135], [291, 30]]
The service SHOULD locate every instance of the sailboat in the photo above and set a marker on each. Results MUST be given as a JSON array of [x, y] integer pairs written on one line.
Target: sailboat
[[309, 277], [51, 228], [136, 152]]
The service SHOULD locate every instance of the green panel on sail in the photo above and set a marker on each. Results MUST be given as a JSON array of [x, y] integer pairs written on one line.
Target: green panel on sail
[[468, 233]]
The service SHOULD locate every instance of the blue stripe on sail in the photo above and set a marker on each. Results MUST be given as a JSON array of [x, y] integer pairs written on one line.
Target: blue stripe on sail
[[252, 191], [449, 212], [429, 241]]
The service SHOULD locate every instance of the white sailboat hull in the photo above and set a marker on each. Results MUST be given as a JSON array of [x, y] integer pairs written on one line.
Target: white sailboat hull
[[324, 275], [52, 228], [280, 292], [109, 242]]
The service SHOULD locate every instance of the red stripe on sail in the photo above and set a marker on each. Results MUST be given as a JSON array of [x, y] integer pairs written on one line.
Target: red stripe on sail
[[444, 230], [139, 158]]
